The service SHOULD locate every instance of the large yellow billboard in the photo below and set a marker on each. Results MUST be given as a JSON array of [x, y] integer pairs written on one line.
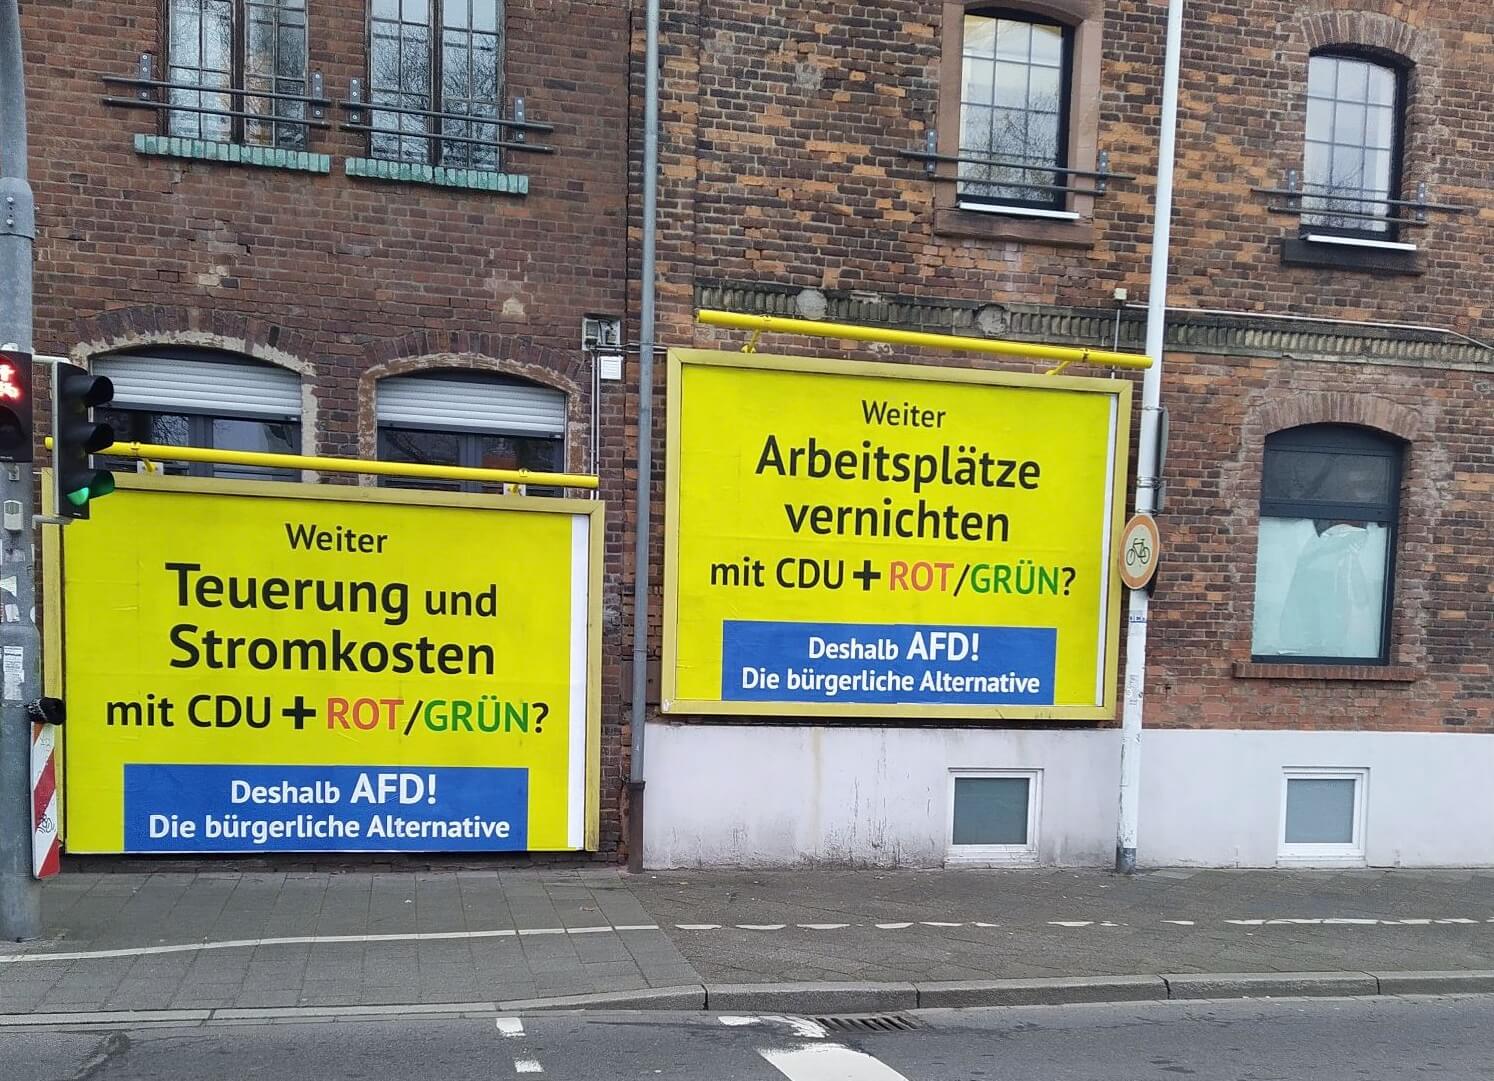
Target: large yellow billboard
[[256, 667], [890, 540]]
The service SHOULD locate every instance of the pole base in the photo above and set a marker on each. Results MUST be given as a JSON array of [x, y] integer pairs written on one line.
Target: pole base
[[1125, 861], [635, 827]]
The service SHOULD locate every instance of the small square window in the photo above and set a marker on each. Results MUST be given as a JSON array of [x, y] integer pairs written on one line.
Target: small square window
[[1322, 815], [993, 816]]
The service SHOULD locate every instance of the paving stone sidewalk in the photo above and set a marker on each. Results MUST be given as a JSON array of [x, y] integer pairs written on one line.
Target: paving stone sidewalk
[[135, 941]]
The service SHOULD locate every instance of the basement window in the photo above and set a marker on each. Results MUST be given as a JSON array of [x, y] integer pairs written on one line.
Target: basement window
[[993, 816], [1322, 815]]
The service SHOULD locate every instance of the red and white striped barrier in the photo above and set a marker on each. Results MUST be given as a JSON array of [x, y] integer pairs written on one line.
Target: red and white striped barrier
[[46, 850]]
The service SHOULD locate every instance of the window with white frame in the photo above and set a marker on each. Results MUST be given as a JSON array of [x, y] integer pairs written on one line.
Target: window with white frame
[[1323, 814], [187, 397], [472, 419], [993, 815]]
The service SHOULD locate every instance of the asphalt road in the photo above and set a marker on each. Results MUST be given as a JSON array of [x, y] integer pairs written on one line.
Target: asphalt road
[[1322, 1039]]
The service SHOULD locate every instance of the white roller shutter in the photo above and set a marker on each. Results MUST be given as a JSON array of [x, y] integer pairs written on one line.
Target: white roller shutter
[[471, 405], [202, 386]]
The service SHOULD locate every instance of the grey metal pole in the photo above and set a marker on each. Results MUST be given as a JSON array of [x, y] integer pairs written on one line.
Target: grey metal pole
[[1139, 606], [20, 657], [644, 497]]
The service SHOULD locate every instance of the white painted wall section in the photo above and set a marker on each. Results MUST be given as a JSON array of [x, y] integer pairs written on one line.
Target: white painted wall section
[[777, 795]]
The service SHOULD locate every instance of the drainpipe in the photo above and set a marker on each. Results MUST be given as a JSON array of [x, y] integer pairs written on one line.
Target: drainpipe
[[1147, 451], [644, 496]]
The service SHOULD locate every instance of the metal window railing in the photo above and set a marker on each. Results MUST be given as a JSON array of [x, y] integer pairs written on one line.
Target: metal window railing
[[1320, 201], [1101, 176], [153, 94], [509, 133]]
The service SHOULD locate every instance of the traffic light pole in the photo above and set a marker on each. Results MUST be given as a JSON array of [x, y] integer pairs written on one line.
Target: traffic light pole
[[20, 646]]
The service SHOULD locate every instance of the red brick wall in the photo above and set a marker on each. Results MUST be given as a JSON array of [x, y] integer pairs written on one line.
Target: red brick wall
[[782, 123]]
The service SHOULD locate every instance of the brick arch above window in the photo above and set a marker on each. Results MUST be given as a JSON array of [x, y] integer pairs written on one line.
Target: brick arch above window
[[521, 360], [1374, 31], [1364, 410], [133, 328]]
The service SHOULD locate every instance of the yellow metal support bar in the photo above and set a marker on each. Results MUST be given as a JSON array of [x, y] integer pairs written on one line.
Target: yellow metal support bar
[[1065, 354], [153, 452]]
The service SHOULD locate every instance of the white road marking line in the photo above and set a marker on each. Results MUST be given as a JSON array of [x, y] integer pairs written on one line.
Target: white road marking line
[[988, 925], [829, 1062], [698, 926], [892, 926], [1422, 923], [823, 926], [510, 1026], [1353, 921], [1070, 923], [761, 926], [315, 940], [734, 1021], [801, 1026], [936, 923], [1181, 923], [527, 1065], [1246, 923], [1457, 919]]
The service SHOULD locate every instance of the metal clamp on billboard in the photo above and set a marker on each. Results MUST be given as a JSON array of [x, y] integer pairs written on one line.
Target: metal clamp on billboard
[[880, 540], [260, 667]]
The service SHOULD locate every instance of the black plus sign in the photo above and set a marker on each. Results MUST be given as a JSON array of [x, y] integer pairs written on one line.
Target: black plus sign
[[866, 576], [299, 712]]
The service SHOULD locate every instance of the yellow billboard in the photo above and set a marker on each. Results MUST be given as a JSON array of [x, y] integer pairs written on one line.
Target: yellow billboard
[[849, 539], [258, 667]]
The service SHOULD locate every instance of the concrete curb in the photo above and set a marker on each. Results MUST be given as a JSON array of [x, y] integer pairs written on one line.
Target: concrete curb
[[819, 999]]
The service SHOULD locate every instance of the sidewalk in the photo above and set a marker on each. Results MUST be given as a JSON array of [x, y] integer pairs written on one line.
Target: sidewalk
[[241, 940]]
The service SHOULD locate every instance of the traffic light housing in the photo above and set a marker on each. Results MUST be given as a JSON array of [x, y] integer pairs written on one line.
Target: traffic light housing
[[76, 438], [15, 406]]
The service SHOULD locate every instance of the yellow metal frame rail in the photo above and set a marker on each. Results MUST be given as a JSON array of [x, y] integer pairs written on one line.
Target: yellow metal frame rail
[[158, 452], [1064, 354]]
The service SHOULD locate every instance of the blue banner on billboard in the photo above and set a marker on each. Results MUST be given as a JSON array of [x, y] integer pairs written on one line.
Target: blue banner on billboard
[[887, 663], [217, 808]]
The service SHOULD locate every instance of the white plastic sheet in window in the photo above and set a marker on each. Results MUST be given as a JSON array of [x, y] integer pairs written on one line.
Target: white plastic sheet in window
[[1320, 593]]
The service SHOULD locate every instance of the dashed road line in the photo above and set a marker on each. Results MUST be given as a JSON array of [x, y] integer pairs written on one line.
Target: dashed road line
[[527, 1065], [510, 1026]]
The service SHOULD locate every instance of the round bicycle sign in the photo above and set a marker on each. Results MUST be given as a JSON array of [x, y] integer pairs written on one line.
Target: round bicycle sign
[[1140, 549]]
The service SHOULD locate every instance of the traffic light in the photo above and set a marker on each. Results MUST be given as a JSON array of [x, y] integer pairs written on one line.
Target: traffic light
[[15, 406], [76, 438]]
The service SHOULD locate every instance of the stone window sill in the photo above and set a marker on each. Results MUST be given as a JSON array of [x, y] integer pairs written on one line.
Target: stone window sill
[[976, 225], [404, 172], [266, 157], [1368, 673], [1296, 251]]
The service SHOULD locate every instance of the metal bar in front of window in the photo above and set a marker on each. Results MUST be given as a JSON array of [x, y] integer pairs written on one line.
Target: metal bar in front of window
[[121, 80], [173, 107], [924, 155], [394, 133], [267, 460], [1327, 212], [1308, 193], [1023, 184], [353, 106]]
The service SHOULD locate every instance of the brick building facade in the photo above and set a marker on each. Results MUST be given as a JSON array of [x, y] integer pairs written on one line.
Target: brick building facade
[[315, 255], [797, 181], [807, 169]]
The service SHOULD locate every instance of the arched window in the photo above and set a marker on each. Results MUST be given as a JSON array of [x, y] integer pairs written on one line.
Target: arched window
[[187, 397], [472, 419], [1352, 163], [1014, 106], [1330, 498]]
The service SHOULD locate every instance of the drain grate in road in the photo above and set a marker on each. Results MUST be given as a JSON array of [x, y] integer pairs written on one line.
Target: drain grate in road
[[884, 1022]]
